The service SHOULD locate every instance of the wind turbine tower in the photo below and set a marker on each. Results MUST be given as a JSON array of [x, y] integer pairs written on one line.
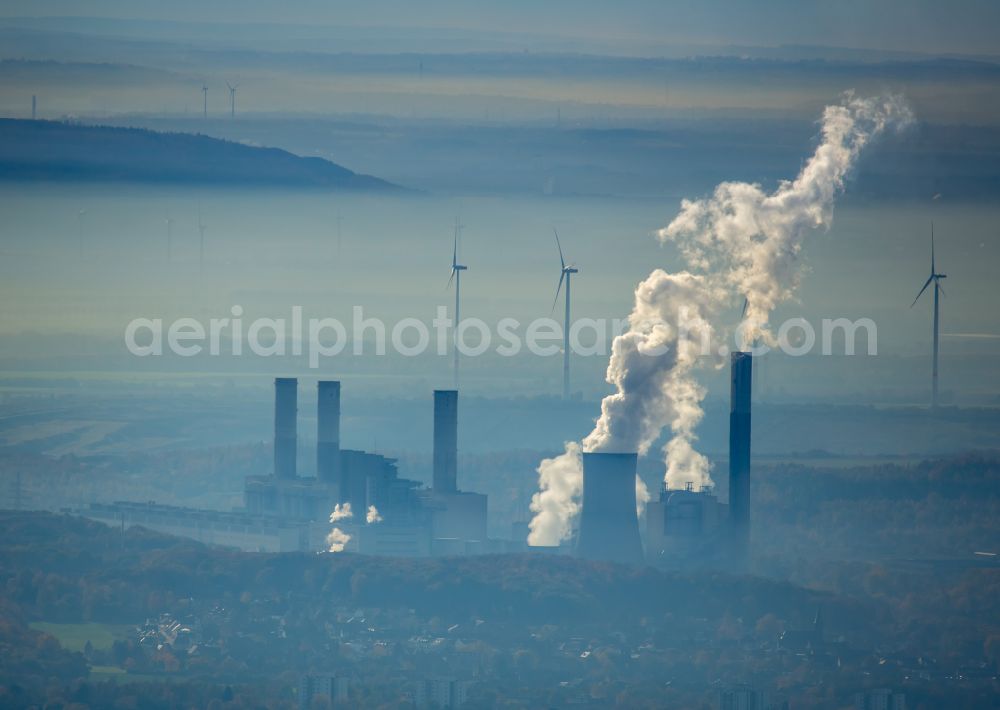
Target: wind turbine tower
[[201, 245], [79, 229], [340, 226], [456, 276], [565, 273], [169, 221], [232, 99], [936, 278], [204, 109]]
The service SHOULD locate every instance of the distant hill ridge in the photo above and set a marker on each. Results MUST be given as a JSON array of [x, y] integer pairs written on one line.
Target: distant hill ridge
[[60, 151]]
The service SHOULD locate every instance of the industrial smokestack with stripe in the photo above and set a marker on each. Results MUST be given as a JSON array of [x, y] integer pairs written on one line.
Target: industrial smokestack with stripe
[[328, 431], [286, 407]]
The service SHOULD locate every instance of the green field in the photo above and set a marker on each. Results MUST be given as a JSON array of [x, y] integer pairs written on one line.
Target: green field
[[74, 637]]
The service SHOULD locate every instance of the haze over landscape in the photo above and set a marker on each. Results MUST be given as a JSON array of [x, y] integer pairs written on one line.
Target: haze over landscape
[[247, 170]]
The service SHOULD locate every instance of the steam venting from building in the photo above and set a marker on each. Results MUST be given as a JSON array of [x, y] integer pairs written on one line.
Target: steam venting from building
[[341, 511], [739, 243], [337, 540]]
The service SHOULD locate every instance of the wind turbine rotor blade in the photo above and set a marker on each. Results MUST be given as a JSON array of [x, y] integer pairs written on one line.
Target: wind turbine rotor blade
[[932, 247], [940, 288], [926, 284], [454, 252], [561, 260], [746, 304], [558, 289], [450, 279]]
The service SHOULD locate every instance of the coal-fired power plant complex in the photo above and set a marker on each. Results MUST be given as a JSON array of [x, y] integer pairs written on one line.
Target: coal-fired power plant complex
[[357, 493], [355, 501]]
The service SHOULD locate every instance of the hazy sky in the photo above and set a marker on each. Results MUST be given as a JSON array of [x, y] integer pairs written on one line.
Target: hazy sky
[[968, 26], [514, 144]]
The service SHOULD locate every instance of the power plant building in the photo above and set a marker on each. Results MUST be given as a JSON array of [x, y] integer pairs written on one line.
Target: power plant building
[[458, 518], [685, 526], [689, 527], [389, 515]]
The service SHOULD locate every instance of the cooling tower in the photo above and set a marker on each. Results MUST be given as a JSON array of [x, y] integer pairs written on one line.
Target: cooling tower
[[739, 449], [609, 527], [445, 441], [328, 431], [286, 392]]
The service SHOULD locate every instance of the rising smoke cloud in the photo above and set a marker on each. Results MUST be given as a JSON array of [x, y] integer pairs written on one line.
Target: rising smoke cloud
[[749, 240], [557, 502], [739, 243], [341, 511], [337, 540]]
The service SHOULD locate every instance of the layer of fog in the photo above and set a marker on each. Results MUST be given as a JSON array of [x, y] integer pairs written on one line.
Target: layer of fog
[[268, 251]]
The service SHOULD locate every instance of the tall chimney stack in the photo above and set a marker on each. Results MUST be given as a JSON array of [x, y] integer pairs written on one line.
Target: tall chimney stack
[[445, 441], [328, 431], [739, 449], [286, 408]]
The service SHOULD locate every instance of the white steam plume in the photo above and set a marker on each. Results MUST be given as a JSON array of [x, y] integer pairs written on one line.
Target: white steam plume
[[555, 505], [749, 240], [341, 511], [651, 368], [373, 516], [739, 242], [337, 540]]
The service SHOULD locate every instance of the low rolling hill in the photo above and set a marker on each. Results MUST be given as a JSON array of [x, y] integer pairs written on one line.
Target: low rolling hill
[[65, 152]]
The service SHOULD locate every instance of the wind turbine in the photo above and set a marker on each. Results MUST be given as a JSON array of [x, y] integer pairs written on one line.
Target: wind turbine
[[456, 276], [340, 225], [169, 221], [936, 278], [79, 229], [565, 273], [201, 245], [204, 91], [232, 99]]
